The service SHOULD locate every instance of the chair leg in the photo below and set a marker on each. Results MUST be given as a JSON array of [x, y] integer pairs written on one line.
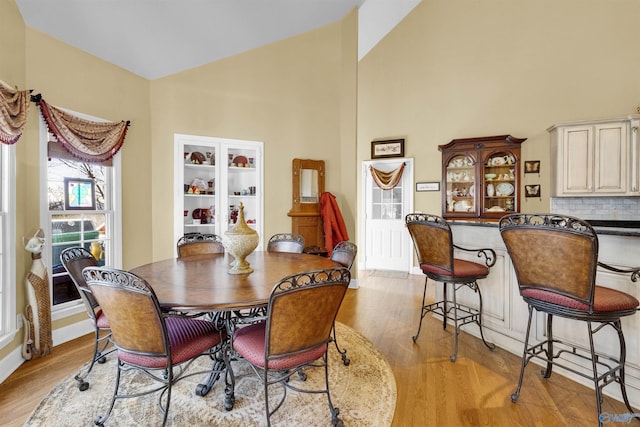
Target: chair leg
[[99, 345], [490, 346], [335, 421], [345, 360], [596, 382], [525, 360], [100, 420], [456, 328], [549, 351], [623, 358], [422, 310]]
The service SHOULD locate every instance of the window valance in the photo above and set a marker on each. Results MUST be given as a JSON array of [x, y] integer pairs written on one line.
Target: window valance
[[86, 140], [387, 180], [14, 109]]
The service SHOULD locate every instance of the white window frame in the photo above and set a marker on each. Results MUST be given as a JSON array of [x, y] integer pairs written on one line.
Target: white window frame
[[8, 328], [67, 309]]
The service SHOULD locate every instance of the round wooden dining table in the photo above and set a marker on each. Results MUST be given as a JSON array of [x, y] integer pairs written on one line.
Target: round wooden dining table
[[202, 283]]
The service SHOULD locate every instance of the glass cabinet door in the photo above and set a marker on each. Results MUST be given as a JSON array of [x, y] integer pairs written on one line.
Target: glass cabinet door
[[500, 183], [461, 184]]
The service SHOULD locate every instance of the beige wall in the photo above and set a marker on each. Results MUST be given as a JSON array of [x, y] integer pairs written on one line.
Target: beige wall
[[69, 78], [289, 94], [462, 68]]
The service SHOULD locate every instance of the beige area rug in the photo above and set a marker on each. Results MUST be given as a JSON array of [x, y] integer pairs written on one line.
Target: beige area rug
[[365, 392], [389, 274]]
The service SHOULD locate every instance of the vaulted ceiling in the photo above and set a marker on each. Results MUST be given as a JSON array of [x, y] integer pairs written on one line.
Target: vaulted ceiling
[[156, 38]]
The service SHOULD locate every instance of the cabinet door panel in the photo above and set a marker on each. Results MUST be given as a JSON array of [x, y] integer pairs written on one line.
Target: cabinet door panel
[[610, 158], [578, 159]]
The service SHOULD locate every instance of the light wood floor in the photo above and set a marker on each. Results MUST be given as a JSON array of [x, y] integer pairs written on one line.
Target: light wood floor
[[432, 391]]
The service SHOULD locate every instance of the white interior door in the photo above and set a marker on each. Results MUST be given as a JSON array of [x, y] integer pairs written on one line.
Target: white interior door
[[384, 236]]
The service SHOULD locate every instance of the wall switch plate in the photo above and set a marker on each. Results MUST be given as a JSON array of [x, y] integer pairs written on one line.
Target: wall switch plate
[[19, 321]]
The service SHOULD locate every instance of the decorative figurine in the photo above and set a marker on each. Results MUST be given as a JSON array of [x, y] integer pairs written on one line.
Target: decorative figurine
[[38, 340]]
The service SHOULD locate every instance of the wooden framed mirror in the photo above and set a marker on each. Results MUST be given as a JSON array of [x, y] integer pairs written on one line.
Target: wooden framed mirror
[[307, 185]]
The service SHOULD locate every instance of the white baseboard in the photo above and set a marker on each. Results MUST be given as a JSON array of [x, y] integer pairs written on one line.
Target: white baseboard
[[14, 360]]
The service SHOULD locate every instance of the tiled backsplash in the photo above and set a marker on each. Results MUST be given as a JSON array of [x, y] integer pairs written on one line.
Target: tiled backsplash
[[603, 208]]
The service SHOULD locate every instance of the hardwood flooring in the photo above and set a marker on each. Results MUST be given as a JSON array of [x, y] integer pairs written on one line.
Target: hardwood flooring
[[432, 391]]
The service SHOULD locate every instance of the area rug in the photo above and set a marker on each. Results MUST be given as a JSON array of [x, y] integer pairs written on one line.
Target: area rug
[[365, 392], [389, 274]]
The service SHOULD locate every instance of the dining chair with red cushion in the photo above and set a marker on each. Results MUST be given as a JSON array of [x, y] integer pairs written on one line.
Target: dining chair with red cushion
[[149, 340], [74, 260], [295, 334], [555, 258], [433, 243]]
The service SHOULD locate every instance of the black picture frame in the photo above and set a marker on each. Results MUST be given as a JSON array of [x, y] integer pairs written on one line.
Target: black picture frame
[[532, 190], [79, 194], [387, 148], [532, 166]]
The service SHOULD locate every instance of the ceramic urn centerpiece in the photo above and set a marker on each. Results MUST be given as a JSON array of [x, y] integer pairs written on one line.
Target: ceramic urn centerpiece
[[240, 241]]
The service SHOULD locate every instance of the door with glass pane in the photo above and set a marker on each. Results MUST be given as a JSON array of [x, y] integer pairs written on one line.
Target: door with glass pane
[[386, 243]]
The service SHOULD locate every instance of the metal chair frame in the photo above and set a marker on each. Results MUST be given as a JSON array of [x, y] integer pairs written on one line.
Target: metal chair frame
[[433, 243], [286, 312], [116, 288], [343, 253], [286, 242], [581, 266], [74, 260]]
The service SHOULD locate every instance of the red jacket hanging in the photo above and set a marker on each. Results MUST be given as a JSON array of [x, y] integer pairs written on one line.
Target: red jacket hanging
[[335, 230]]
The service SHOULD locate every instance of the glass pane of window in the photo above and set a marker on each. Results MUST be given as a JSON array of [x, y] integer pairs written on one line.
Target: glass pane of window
[[79, 216]]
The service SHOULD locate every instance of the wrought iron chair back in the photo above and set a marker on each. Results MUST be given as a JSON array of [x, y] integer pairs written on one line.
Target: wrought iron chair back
[[286, 242], [199, 243], [553, 253], [433, 242], [344, 253]]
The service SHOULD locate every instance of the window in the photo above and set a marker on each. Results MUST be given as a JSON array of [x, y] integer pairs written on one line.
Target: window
[[80, 208], [7, 244]]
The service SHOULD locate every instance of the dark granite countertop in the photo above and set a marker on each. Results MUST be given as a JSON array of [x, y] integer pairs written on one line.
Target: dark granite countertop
[[602, 227]]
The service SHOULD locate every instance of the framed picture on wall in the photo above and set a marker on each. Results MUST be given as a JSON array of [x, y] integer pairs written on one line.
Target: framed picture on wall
[[388, 148], [532, 190], [532, 166], [79, 193]]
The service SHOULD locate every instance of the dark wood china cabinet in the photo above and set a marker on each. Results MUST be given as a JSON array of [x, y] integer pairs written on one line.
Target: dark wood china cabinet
[[481, 177]]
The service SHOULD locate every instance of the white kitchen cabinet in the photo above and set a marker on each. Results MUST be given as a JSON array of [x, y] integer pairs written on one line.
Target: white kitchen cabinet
[[595, 158], [212, 177]]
